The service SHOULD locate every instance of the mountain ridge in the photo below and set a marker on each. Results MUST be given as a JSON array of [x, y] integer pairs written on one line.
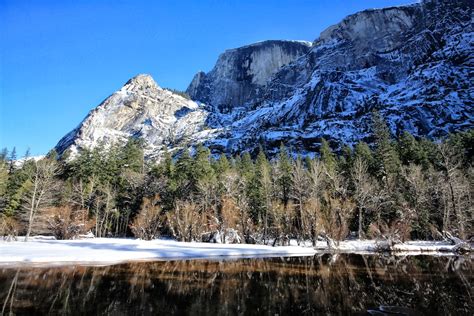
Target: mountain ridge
[[412, 63]]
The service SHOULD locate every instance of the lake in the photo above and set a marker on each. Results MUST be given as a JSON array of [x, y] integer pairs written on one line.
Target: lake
[[324, 284]]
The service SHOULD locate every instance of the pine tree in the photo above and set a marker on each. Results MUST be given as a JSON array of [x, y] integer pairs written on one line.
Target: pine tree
[[346, 159], [284, 168], [202, 168], [327, 156], [27, 154], [245, 166], [387, 159], [168, 165], [362, 151], [263, 189], [12, 159], [221, 165], [203, 179], [3, 184], [132, 155], [17, 186], [183, 174], [409, 149]]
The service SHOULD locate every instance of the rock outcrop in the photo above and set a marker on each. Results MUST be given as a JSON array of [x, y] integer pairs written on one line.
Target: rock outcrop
[[140, 109], [414, 64], [241, 73]]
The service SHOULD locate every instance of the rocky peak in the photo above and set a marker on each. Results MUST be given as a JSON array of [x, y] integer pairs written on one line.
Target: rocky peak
[[139, 109], [196, 84], [381, 28], [411, 63], [240, 73], [142, 83]]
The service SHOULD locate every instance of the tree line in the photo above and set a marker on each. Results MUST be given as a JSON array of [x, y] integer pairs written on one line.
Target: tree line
[[404, 188]]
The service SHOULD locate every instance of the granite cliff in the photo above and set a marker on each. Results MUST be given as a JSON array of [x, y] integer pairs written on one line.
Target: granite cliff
[[414, 64]]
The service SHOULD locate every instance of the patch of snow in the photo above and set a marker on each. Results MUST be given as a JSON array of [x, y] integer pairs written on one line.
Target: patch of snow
[[21, 161], [113, 250]]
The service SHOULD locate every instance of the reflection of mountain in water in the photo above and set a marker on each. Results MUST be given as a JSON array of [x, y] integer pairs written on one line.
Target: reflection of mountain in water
[[327, 284]]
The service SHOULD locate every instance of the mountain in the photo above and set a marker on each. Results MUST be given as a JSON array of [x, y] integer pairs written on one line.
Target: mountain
[[140, 109], [241, 74], [414, 64]]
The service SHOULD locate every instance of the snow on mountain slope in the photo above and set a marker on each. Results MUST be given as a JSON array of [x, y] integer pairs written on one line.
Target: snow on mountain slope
[[140, 109], [414, 64]]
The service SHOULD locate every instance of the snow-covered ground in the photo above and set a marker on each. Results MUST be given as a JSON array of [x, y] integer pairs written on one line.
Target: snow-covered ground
[[111, 250], [406, 248], [41, 249]]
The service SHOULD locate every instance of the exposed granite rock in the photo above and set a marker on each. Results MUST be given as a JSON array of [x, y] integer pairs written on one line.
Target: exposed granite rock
[[413, 63], [240, 74], [140, 109]]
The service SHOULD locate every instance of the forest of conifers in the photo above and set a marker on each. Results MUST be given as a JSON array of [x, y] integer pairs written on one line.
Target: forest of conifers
[[403, 188]]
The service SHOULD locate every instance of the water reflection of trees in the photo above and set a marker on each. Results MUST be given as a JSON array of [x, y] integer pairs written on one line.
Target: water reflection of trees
[[324, 284]]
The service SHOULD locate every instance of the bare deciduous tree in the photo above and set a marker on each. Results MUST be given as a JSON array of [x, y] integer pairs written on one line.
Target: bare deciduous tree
[[185, 221], [315, 186], [149, 220], [457, 190], [66, 222], [299, 192], [363, 190], [234, 186], [41, 186]]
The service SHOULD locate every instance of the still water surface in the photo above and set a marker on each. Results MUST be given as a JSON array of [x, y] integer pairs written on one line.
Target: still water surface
[[326, 284]]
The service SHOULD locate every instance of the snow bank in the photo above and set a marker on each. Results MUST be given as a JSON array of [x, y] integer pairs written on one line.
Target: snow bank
[[406, 248], [42, 249], [112, 250]]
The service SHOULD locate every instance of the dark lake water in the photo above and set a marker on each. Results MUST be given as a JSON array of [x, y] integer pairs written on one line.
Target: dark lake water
[[326, 284]]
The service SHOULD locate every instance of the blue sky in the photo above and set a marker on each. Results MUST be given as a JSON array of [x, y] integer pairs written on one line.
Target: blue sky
[[60, 59]]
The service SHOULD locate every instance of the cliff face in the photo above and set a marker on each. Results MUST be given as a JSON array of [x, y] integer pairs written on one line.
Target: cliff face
[[240, 74], [414, 64]]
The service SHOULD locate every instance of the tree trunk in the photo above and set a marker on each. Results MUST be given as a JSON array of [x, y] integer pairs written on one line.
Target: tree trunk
[[32, 208]]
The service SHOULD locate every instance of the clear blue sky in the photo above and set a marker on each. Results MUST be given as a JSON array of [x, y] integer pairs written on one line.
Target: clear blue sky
[[60, 59]]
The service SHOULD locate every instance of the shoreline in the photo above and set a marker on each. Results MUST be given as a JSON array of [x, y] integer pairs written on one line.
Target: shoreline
[[42, 250]]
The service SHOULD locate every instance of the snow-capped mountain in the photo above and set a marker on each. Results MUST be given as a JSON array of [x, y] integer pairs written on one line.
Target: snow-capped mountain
[[140, 109], [414, 63]]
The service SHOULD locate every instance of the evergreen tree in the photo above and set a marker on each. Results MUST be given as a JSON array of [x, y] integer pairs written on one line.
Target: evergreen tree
[[168, 165], [221, 165], [183, 174], [345, 160], [3, 184], [258, 189], [12, 159], [204, 180], [246, 166], [327, 156], [27, 154], [284, 169], [410, 150], [388, 162], [202, 169], [362, 152], [132, 156], [17, 186]]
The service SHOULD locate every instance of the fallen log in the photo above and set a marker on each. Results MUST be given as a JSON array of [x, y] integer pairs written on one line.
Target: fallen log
[[460, 246]]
